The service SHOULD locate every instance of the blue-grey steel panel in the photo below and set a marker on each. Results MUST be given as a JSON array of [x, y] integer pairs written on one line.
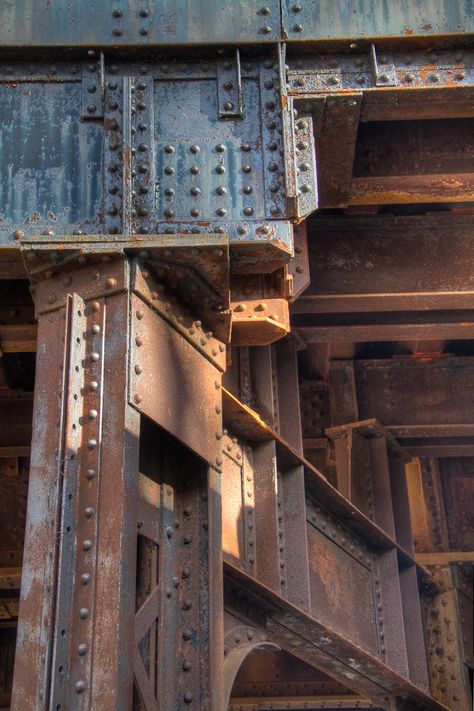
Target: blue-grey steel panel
[[338, 19], [51, 167], [197, 170], [131, 22]]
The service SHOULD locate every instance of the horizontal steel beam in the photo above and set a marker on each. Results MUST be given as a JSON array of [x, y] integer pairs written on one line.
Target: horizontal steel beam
[[165, 23]]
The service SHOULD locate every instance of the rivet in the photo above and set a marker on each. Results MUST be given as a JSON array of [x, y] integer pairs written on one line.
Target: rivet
[[187, 633], [188, 697], [246, 168], [248, 211], [80, 686], [195, 191], [298, 28], [221, 190], [169, 213], [85, 578], [220, 169], [95, 356], [219, 461], [187, 666], [86, 545], [138, 369], [170, 170], [221, 212], [92, 444], [90, 473], [137, 398], [169, 149], [83, 613], [18, 234], [82, 649], [220, 148]]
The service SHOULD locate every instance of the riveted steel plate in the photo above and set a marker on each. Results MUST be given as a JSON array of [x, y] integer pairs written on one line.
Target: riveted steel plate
[[342, 594], [149, 22], [350, 19], [51, 168], [192, 166], [173, 384]]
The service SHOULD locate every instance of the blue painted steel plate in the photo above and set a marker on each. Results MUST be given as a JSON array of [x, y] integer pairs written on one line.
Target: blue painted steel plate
[[351, 19], [51, 167], [132, 22]]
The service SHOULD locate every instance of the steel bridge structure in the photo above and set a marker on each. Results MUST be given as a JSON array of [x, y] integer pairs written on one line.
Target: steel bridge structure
[[236, 355]]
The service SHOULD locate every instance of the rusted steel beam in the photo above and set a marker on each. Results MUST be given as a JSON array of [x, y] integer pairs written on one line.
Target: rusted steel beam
[[78, 572], [178, 650], [448, 663], [363, 272], [317, 644]]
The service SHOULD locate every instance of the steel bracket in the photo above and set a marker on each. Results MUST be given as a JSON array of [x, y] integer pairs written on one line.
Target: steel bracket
[[93, 86], [229, 87], [383, 68]]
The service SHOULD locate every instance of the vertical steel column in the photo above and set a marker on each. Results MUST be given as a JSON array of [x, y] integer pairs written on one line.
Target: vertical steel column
[[78, 593]]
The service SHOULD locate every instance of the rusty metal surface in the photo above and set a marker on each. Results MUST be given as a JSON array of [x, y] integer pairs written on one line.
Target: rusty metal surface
[[313, 19], [164, 23], [172, 384], [182, 537], [80, 587]]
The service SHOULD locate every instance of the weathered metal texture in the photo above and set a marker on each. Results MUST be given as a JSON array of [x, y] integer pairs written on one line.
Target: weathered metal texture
[[263, 502], [84, 471], [458, 493], [448, 404], [276, 677], [162, 22], [58, 187], [319, 645], [328, 20], [258, 322], [366, 283], [368, 70], [165, 23], [14, 474], [298, 268], [178, 624], [143, 148], [173, 385], [435, 425], [449, 674]]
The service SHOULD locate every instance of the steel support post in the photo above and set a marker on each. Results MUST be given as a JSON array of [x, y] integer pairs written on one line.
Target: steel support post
[[103, 627], [77, 600]]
